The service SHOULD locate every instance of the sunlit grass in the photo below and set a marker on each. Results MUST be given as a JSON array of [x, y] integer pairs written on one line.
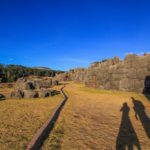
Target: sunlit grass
[[20, 119], [83, 88], [91, 119], [6, 91]]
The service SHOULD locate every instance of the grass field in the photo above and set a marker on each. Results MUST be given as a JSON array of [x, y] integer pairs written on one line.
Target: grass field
[[5, 91], [100, 120], [20, 119]]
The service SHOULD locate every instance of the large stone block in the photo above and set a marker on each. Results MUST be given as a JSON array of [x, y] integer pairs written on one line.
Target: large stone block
[[131, 74], [127, 75], [17, 94], [30, 94], [141, 73]]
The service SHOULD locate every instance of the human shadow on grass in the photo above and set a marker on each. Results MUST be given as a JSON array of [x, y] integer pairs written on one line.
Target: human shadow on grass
[[141, 115], [2, 97], [146, 90], [127, 138]]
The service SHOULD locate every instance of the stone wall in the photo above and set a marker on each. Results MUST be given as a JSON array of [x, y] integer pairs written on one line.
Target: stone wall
[[34, 88], [132, 74], [77, 75]]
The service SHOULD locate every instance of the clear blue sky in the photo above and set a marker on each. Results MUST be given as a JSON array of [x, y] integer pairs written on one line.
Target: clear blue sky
[[64, 34]]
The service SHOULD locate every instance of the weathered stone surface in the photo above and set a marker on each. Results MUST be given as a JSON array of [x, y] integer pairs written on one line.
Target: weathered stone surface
[[26, 84], [17, 94], [33, 88], [44, 93], [30, 94], [42, 83], [128, 75]]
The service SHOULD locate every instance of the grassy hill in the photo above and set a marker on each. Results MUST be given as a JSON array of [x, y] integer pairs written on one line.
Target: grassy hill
[[10, 73]]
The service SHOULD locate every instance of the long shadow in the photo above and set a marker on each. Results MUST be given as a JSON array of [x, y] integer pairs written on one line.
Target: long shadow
[[141, 115], [2, 97], [146, 90], [38, 141], [127, 138]]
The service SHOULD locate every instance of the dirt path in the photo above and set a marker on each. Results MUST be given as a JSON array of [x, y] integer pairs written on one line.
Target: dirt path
[[102, 120]]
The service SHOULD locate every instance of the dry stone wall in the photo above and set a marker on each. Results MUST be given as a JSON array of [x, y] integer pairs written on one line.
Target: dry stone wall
[[34, 88], [132, 74], [77, 75]]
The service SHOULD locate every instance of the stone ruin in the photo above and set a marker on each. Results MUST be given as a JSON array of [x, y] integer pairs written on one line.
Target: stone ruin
[[73, 75], [33, 88], [132, 74]]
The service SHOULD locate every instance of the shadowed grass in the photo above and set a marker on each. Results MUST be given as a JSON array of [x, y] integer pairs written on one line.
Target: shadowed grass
[[55, 139], [147, 96]]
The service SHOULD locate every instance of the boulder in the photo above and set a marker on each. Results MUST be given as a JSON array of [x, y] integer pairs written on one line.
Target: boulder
[[28, 86], [42, 84], [17, 94], [24, 84], [44, 93], [30, 94]]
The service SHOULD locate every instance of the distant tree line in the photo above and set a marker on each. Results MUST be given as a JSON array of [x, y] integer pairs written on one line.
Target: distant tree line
[[10, 73]]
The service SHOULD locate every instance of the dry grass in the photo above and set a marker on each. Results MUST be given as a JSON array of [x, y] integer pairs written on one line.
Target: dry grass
[[5, 90], [91, 120], [20, 119]]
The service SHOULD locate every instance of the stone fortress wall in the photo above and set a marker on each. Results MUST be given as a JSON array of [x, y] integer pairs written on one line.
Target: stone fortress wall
[[132, 74]]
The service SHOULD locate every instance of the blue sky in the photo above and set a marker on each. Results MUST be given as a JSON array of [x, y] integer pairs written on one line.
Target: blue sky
[[63, 34]]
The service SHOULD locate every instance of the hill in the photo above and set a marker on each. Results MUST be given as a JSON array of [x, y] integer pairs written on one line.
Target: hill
[[10, 73]]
